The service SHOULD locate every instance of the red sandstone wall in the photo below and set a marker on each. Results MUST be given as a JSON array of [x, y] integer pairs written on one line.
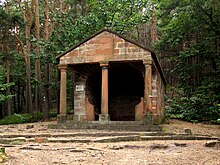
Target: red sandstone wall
[[158, 90], [80, 102], [105, 47]]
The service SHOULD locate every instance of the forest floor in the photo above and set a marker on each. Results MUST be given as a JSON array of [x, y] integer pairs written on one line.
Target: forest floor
[[151, 152]]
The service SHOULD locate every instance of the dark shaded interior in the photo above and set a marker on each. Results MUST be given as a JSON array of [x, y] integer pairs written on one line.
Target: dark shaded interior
[[94, 91], [126, 87], [92, 74]]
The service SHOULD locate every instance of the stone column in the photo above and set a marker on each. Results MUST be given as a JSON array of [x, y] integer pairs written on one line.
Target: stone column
[[104, 116], [62, 108], [148, 86]]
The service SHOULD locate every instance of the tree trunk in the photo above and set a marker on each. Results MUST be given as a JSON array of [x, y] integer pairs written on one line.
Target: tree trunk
[[1, 114], [27, 16], [61, 6], [38, 97], [46, 71], [19, 98], [7, 62], [8, 92], [153, 32], [29, 105]]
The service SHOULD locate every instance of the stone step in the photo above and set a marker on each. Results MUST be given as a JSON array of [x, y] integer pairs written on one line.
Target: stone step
[[112, 125], [86, 134], [119, 122], [20, 140]]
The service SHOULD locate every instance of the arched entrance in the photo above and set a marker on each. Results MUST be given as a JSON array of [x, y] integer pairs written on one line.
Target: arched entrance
[[126, 87]]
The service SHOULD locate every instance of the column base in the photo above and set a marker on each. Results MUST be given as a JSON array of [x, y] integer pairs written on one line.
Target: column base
[[104, 118], [61, 118]]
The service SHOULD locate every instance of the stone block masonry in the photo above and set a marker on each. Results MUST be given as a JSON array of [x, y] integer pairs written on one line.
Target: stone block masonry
[[79, 101], [105, 47], [117, 80]]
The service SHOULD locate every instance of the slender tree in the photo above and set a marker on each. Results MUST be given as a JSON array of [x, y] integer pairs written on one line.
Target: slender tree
[[47, 94], [38, 94], [7, 58], [27, 13]]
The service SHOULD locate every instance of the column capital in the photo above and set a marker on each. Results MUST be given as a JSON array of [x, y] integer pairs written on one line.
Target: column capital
[[147, 62], [62, 67], [104, 64]]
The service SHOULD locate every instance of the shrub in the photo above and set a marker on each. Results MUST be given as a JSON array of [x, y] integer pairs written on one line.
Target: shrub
[[16, 119], [24, 118], [199, 107]]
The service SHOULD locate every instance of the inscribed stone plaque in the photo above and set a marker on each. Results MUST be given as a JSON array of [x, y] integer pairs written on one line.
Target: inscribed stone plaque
[[79, 88]]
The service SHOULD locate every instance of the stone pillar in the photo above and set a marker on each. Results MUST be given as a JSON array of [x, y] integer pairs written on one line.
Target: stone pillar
[[62, 108], [104, 116], [148, 86], [80, 99]]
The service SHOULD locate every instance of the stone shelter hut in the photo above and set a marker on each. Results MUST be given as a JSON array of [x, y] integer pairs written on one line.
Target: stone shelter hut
[[118, 80]]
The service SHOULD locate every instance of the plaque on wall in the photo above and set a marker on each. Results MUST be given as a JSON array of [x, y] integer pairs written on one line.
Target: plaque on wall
[[79, 88]]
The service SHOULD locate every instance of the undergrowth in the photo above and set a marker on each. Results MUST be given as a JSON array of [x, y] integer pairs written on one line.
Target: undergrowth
[[24, 118]]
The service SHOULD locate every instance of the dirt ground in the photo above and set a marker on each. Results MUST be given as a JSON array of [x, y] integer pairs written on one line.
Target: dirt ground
[[121, 153], [178, 126], [156, 152]]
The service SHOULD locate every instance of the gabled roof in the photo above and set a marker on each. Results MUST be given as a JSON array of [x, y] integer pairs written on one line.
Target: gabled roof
[[154, 57]]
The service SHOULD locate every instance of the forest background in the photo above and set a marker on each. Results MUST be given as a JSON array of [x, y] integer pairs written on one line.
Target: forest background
[[184, 34]]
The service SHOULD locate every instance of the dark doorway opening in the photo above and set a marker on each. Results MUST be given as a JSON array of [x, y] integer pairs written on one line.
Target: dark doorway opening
[[93, 88], [126, 87]]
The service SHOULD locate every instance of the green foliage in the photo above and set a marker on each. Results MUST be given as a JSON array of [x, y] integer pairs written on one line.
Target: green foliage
[[37, 116], [121, 15], [3, 96], [202, 105], [16, 119], [3, 155], [199, 107], [25, 118], [190, 35], [52, 114], [216, 121]]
